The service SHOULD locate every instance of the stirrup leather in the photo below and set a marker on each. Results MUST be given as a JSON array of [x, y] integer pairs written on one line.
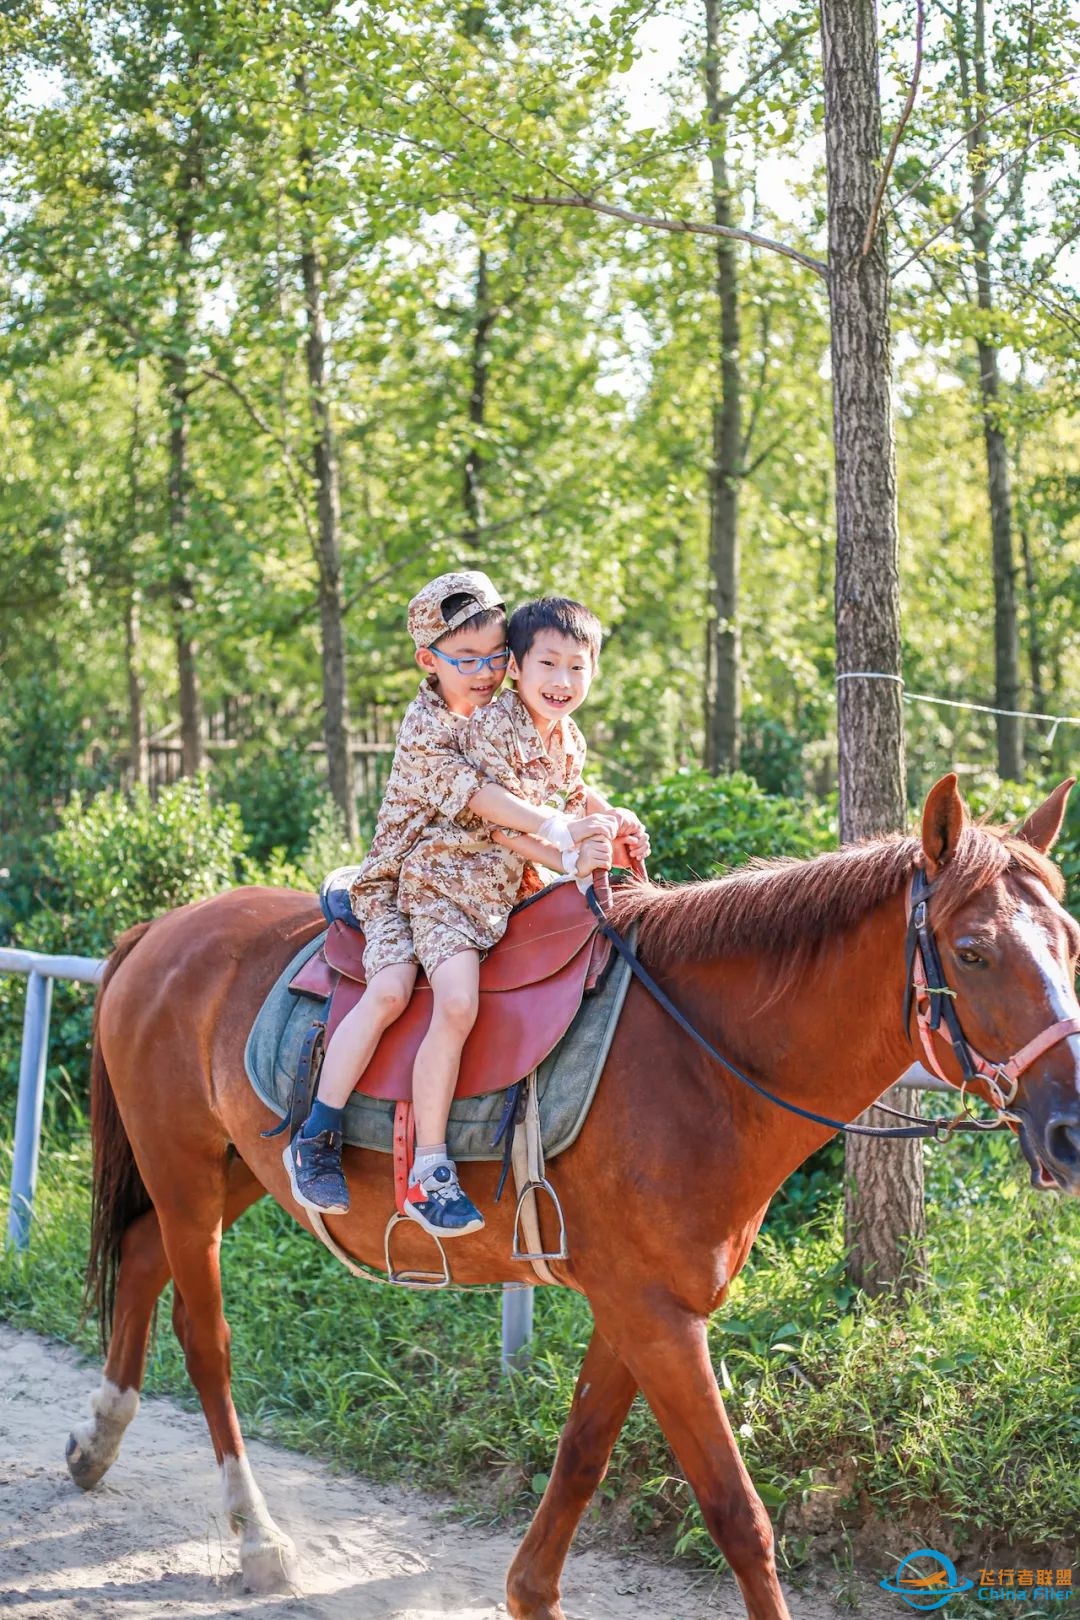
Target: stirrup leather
[[530, 1178]]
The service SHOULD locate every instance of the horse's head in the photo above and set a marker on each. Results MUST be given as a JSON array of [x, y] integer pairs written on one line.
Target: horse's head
[[1008, 955]]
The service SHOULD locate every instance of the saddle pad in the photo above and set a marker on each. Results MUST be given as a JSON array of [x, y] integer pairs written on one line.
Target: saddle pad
[[566, 1080]]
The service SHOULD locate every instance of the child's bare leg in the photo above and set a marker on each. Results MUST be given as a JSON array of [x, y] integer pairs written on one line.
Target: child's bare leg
[[435, 1199], [455, 990], [313, 1157], [358, 1034]]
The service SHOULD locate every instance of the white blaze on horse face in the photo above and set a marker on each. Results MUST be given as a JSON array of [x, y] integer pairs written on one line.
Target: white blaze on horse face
[[1055, 974]]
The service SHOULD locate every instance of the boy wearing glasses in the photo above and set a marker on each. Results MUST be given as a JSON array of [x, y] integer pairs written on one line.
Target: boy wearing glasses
[[433, 890]]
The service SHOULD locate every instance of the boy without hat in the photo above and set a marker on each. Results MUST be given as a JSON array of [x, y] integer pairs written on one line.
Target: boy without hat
[[414, 895]]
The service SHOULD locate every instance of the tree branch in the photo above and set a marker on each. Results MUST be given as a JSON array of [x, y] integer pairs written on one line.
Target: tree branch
[[678, 227], [988, 184], [727, 105], [729, 102], [763, 455], [299, 489], [1002, 106], [421, 551], [890, 156]]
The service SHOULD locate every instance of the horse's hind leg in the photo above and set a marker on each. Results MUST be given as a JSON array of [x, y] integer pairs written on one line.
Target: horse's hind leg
[[191, 1225], [94, 1445], [605, 1390]]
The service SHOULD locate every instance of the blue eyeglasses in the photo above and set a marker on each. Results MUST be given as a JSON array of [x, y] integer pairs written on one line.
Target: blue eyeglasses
[[496, 662]]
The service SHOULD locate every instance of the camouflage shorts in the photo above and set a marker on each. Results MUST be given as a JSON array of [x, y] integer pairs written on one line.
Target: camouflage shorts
[[436, 941], [393, 940], [387, 942]]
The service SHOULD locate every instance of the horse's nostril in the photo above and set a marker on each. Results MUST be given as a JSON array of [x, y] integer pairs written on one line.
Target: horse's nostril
[[1063, 1142]]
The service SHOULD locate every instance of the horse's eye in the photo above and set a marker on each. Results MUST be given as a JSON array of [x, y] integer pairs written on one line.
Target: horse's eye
[[970, 958]]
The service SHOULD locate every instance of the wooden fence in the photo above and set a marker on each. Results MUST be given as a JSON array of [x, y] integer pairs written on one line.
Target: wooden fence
[[240, 721]]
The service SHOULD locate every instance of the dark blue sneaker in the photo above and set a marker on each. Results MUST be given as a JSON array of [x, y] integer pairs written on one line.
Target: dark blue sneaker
[[314, 1166], [437, 1203]]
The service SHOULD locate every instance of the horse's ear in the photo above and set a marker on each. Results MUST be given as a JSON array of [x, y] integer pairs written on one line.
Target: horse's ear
[[944, 819], [1043, 825]]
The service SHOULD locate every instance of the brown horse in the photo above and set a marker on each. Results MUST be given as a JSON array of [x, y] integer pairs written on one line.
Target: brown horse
[[796, 970]]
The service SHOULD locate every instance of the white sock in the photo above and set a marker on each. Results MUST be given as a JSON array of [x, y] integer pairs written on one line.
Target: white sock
[[427, 1159]]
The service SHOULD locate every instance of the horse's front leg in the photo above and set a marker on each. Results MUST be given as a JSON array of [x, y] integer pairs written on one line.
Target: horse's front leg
[[669, 1357], [601, 1401]]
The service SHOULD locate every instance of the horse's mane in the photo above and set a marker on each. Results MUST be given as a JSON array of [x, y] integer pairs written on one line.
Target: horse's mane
[[788, 908]]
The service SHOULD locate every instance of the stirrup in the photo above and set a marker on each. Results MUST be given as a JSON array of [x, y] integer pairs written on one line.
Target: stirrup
[[562, 1252], [415, 1279]]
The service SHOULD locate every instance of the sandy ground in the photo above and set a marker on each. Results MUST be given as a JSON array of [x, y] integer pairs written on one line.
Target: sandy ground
[[150, 1543]]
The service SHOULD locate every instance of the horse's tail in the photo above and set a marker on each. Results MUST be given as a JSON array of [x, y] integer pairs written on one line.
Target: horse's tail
[[119, 1195]]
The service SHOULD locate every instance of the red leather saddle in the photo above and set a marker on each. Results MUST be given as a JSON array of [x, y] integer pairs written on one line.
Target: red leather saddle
[[531, 986]]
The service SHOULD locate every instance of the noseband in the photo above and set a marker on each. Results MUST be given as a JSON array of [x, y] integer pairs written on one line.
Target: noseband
[[933, 1002]]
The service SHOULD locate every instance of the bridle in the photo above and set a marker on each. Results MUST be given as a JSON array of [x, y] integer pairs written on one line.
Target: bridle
[[933, 1001]]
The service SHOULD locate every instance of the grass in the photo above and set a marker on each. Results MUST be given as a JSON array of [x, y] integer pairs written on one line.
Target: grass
[[953, 1422]]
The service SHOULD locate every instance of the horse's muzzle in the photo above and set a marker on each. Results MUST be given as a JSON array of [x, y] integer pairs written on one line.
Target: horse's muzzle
[[1053, 1152]]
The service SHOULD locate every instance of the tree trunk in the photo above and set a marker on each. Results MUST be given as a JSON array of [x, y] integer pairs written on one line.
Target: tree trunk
[[725, 471], [473, 491], [1010, 742], [140, 750], [181, 589], [885, 1221], [1031, 604], [139, 769], [327, 528]]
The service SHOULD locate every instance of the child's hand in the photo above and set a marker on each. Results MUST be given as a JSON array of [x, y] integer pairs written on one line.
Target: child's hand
[[631, 840], [603, 826], [594, 854]]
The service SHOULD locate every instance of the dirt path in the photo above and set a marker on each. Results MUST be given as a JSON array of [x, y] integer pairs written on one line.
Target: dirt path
[[150, 1543]]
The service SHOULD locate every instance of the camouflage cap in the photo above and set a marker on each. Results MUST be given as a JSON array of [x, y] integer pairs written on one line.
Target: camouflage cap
[[428, 618]]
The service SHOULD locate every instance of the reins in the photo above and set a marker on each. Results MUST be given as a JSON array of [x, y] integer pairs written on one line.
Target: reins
[[933, 1000]]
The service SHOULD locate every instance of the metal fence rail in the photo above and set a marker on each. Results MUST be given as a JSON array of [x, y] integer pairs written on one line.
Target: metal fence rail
[[40, 971]]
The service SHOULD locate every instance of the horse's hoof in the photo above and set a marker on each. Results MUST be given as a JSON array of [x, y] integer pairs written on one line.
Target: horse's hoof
[[94, 1446], [270, 1568], [85, 1469]]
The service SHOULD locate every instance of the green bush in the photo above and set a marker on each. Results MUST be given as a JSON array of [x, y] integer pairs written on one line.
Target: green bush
[[113, 861], [278, 793], [701, 825], [119, 859], [43, 748]]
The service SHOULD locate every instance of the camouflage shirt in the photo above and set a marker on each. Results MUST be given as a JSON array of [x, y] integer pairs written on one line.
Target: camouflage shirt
[[456, 863], [429, 780], [431, 857]]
